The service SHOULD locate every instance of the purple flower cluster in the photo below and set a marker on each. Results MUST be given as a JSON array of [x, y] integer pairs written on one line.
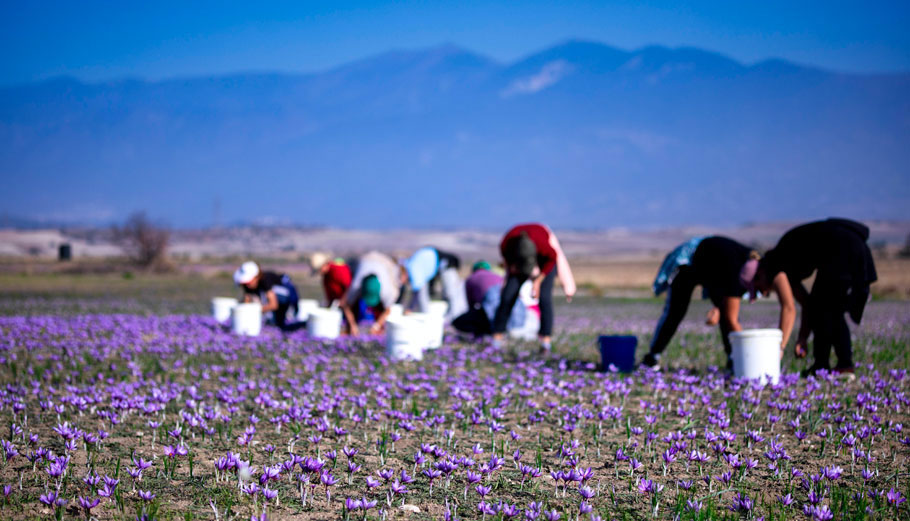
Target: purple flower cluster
[[115, 413]]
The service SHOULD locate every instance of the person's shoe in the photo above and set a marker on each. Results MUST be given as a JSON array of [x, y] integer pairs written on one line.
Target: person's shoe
[[847, 373], [546, 348], [806, 373], [651, 360]]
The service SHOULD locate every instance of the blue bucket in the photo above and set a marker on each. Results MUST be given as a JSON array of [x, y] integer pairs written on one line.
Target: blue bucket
[[619, 351]]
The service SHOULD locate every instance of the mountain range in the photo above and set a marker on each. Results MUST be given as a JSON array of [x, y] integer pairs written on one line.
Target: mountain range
[[579, 135]]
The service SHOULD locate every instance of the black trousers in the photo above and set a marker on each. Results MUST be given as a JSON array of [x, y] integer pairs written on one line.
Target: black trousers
[[678, 298], [509, 295], [828, 304], [280, 316], [473, 321]]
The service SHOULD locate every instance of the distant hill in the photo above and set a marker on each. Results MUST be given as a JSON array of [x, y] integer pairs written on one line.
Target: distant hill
[[579, 135]]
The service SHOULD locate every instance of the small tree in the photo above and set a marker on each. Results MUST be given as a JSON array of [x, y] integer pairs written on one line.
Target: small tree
[[143, 241], [905, 252]]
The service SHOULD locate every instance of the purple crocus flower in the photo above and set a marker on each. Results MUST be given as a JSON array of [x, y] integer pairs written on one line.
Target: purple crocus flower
[[586, 492], [693, 505], [814, 498], [894, 497], [397, 488], [87, 504], [822, 513], [833, 472], [741, 503]]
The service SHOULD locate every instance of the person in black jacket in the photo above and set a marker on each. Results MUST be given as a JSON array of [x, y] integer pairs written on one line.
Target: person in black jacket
[[274, 291], [836, 250], [725, 269]]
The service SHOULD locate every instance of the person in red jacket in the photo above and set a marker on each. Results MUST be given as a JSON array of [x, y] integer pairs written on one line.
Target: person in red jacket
[[531, 251], [336, 276]]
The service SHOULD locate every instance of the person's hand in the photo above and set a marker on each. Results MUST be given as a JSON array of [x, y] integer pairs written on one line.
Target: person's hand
[[354, 330], [376, 328], [801, 348], [535, 288], [713, 317]]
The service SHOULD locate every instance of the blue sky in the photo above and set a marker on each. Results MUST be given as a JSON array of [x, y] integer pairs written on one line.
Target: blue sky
[[97, 41]]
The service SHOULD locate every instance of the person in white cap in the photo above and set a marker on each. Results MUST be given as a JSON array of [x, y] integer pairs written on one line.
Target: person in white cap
[[275, 292]]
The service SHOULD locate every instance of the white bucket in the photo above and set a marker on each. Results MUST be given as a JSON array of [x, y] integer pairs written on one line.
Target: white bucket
[[524, 294], [529, 329], [756, 354], [396, 310], [246, 319], [221, 308], [405, 338], [433, 327], [438, 308], [324, 323], [305, 306]]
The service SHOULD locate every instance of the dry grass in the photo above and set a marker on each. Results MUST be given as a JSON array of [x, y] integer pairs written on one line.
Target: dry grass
[[637, 274], [612, 276]]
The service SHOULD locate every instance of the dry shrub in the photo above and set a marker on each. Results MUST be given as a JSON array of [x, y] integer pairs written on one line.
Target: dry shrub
[[144, 241]]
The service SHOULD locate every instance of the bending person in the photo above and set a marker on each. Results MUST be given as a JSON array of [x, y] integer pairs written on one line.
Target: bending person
[[837, 252], [274, 291], [374, 288], [681, 256], [336, 276], [531, 251], [483, 289], [725, 270], [428, 267]]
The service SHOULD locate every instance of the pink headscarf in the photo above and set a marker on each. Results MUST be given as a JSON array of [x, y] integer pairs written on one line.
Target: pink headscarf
[[747, 277]]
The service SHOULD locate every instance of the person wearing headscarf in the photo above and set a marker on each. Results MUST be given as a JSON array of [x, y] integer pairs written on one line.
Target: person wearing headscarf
[[532, 252], [836, 250], [483, 288], [336, 276], [375, 287]]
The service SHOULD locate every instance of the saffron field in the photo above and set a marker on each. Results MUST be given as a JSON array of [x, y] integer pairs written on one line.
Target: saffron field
[[114, 408]]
